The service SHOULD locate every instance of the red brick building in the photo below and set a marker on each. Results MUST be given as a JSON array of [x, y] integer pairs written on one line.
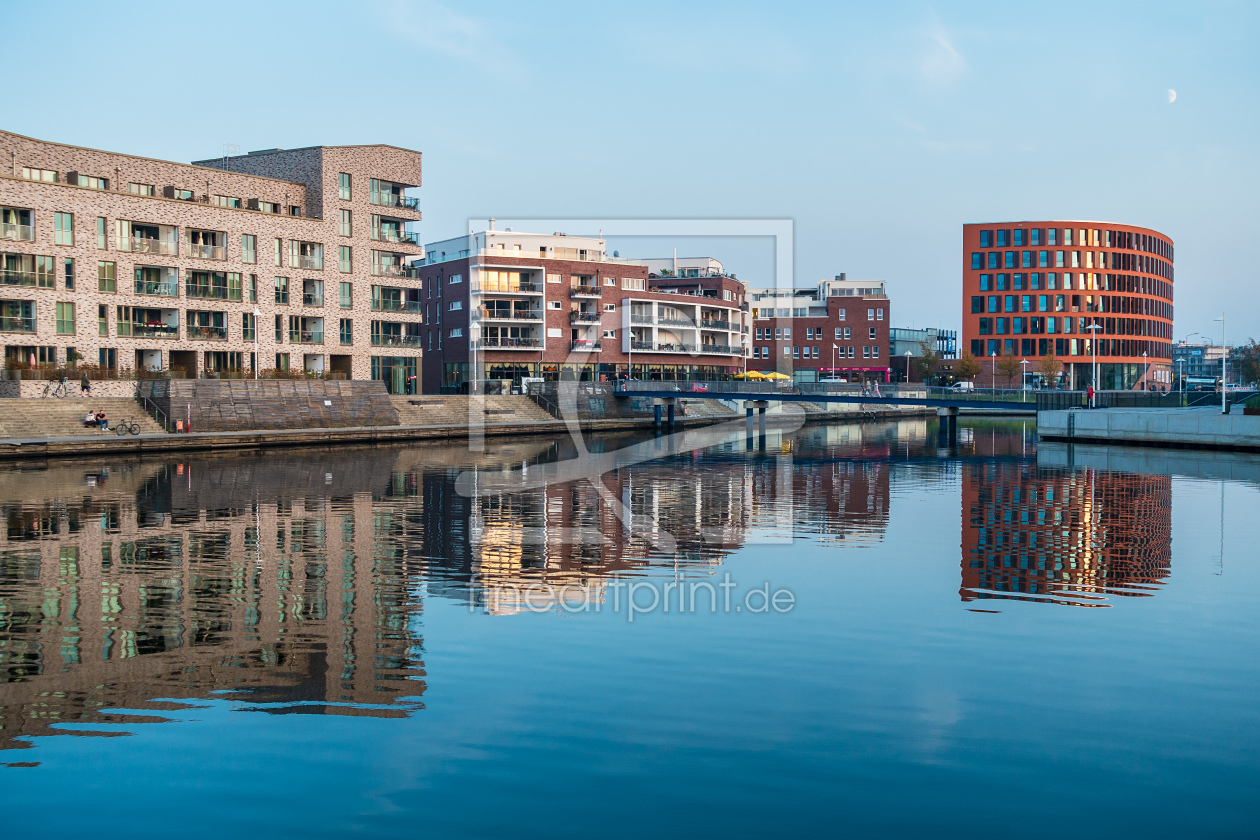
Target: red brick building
[[508, 306], [837, 330], [1034, 289]]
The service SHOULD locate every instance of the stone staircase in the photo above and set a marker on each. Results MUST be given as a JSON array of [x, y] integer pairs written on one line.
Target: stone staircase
[[452, 410], [54, 418]]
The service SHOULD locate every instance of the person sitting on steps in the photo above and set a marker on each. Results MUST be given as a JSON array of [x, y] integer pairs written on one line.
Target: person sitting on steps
[[102, 421], [89, 422]]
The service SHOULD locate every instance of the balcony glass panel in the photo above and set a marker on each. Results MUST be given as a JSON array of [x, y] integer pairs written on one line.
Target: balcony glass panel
[[15, 225], [156, 280]]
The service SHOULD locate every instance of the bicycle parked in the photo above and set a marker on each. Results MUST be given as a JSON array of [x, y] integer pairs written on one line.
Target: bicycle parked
[[126, 426], [62, 389]]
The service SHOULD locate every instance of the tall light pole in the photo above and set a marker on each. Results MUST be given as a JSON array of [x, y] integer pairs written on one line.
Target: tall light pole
[[743, 345], [1146, 368], [1023, 377], [1224, 354], [1093, 346], [907, 367], [992, 370]]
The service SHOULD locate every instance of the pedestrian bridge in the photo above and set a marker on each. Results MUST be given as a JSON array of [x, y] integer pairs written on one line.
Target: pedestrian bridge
[[826, 392]]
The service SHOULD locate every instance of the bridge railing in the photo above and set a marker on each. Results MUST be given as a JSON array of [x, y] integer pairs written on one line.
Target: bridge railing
[[824, 389]]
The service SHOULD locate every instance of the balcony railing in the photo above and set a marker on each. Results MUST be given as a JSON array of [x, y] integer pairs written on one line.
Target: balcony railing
[[379, 340], [155, 330], [309, 299], [313, 263], [586, 346], [708, 324], [306, 336], [395, 270], [509, 315], [584, 317], [397, 306], [141, 245], [205, 252], [207, 333], [667, 321], [505, 288], [649, 347], [720, 349], [15, 277], [17, 233], [17, 324], [206, 292], [395, 200], [511, 343], [402, 235], [168, 288], [583, 290]]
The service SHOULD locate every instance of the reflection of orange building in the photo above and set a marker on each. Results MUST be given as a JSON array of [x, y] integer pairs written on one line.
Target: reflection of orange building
[[1062, 535]]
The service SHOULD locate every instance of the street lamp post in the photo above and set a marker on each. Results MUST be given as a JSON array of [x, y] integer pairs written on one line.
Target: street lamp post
[[1224, 355], [1146, 368], [907, 367], [834, 348], [992, 370], [1093, 346], [743, 347], [1023, 377]]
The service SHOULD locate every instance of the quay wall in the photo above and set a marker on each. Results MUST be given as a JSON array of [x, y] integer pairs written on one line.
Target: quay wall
[[1179, 427]]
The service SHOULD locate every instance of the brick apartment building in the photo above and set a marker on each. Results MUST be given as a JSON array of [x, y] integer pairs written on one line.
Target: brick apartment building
[[131, 262], [510, 305], [838, 329], [1034, 289]]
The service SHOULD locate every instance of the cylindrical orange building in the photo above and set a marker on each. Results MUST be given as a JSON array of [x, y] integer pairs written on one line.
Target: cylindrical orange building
[[1034, 290]]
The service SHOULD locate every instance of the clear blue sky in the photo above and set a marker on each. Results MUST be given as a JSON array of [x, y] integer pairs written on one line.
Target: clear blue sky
[[880, 128]]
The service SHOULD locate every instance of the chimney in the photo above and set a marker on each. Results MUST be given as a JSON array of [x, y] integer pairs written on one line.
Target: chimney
[[492, 223]]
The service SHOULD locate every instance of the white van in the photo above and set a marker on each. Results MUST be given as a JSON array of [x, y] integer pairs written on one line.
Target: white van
[[965, 385]]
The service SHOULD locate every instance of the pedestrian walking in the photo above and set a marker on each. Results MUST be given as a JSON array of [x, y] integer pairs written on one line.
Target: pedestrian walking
[[85, 386]]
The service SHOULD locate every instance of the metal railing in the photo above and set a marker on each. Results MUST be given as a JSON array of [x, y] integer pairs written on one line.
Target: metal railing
[[205, 292], [505, 288], [196, 333], [586, 346], [642, 319], [706, 324], [389, 199], [582, 290], [306, 337], [720, 349], [143, 245], [17, 324], [308, 262], [400, 235], [166, 288], [207, 252], [395, 270], [309, 299], [585, 317], [379, 340], [165, 331], [17, 277], [143, 396], [510, 343], [17, 233], [513, 315], [397, 306]]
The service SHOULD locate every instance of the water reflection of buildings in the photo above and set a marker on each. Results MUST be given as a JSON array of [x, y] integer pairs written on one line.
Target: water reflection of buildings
[[295, 579], [1068, 536]]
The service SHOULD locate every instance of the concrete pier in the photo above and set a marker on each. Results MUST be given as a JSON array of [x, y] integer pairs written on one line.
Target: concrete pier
[[1204, 428]]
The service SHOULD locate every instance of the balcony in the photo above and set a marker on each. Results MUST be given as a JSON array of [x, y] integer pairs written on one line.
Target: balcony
[[395, 270], [583, 346], [143, 245], [17, 323], [397, 306], [649, 347], [504, 314], [156, 330], [584, 317], [386, 340], [163, 288], [393, 199], [199, 333], [313, 263], [205, 252], [510, 343], [720, 349], [675, 321], [709, 324], [309, 337], [199, 292], [16, 277], [488, 288], [17, 233], [400, 235], [636, 318], [311, 299], [582, 290]]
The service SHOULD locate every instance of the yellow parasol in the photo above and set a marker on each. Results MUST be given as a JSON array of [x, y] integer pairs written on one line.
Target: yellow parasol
[[776, 375]]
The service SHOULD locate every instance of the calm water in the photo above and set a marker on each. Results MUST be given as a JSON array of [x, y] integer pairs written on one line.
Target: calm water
[[987, 641]]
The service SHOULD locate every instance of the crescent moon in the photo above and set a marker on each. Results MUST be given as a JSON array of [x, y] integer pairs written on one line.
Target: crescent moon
[[1172, 96]]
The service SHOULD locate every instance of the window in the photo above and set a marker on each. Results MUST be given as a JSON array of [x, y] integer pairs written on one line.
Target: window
[[1010, 260], [553, 304], [1017, 281], [875, 352], [870, 314], [347, 226], [841, 314], [879, 314], [344, 259], [984, 282], [455, 278], [778, 333], [234, 285], [553, 278], [1010, 303], [282, 290], [1025, 259], [282, 360], [90, 182], [227, 201], [1019, 237], [1001, 283], [346, 331], [46, 175], [106, 277], [610, 281], [457, 332], [182, 195], [866, 351], [343, 187], [1035, 234], [847, 333], [63, 228], [872, 335], [346, 296], [102, 238], [65, 319], [610, 307], [102, 320], [279, 330], [610, 333], [975, 261], [456, 305], [1067, 236], [294, 210], [634, 284], [986, 239], [787, 333], [268, 207], [993, 260], [140, 189], [1025, 303], [279, 251], [69, 273], [796, 352], [839, 332], [993, 304], [984, 326], [1076, 259], [249, 248], [1002, 239], [249, 327], [1051, 236], [1058, 259], [1050, 280]]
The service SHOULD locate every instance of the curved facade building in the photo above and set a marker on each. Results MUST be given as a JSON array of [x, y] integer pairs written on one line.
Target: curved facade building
[[1034, 289]]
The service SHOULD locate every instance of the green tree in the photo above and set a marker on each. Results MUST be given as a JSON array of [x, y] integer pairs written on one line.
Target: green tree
[[1245, 359], [1049, 368], [927, 362], [967, 366], [1008, 366]]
